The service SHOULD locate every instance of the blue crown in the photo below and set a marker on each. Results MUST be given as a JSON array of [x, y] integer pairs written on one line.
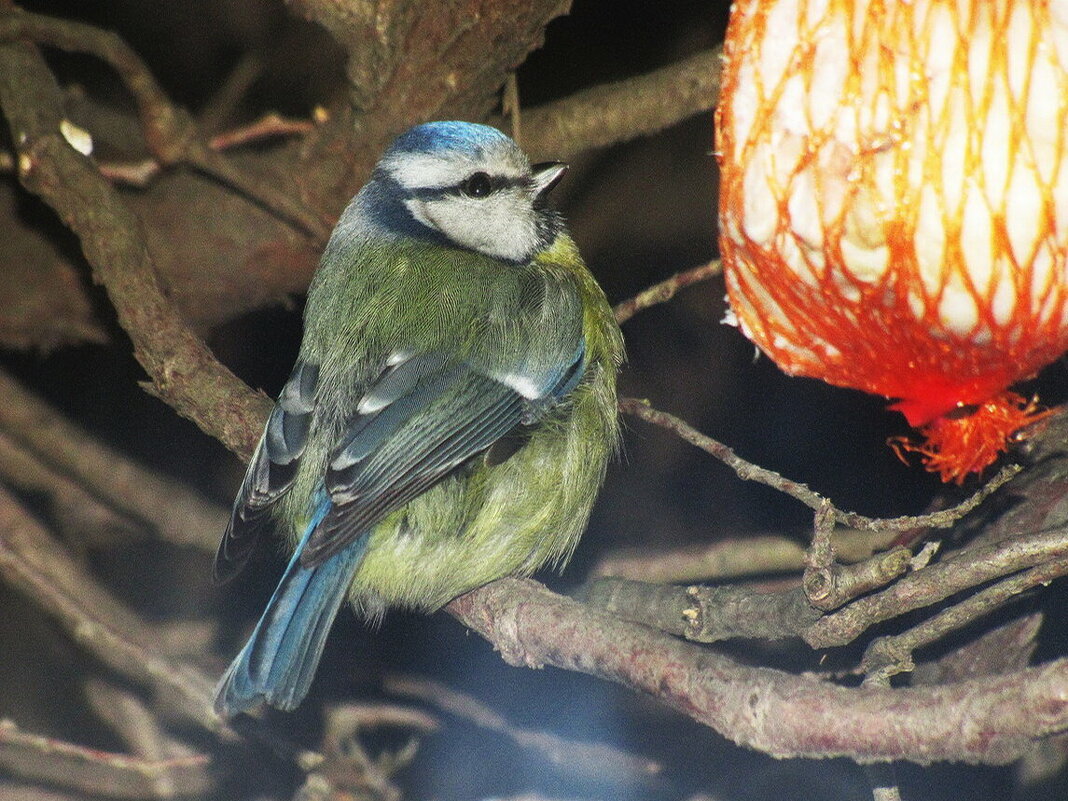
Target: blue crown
[[435, 137]]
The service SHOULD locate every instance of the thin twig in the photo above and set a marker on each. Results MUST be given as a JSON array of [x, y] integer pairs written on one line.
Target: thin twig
[[616, 112], [269, 126], [801, 492], [939, 581], [170, 132], [665, 290], [221, 105], [93, 771], [893, 654], [141, 173]]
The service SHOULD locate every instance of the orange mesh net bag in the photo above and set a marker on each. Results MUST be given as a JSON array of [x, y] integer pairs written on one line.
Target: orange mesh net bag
[[894, 203]]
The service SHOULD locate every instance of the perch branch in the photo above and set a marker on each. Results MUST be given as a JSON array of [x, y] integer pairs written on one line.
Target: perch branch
[[991, 720]]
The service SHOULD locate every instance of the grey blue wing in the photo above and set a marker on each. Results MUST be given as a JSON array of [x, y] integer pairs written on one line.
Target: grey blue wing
[[420, 421], [271, 472]]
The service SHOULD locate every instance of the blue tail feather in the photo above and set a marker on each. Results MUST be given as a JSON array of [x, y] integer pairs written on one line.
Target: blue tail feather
[[278, 662]]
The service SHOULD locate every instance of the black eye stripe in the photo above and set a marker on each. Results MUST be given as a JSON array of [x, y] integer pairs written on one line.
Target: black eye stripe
[[496, 184]]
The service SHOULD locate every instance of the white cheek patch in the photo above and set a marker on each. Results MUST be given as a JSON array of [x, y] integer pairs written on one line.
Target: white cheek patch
[[501, 225]]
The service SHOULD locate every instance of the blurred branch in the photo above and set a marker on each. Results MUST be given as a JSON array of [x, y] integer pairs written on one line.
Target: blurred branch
[[619, 112], [732, 557], [183, 370], [724, 559], [269, 126], [35, 564], [32, 563], [90, 770], [587, 761], [181, 515], [991, 720], [74, 509], [134, 722], [170, 132]]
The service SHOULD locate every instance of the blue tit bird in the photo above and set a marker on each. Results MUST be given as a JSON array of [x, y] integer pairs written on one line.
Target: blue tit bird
[[451, 413]]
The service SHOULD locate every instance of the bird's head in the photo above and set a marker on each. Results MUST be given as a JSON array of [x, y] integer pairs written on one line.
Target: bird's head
[[472, 186]]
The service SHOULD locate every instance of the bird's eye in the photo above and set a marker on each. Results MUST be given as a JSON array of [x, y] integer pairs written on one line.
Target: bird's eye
[[477, 185]]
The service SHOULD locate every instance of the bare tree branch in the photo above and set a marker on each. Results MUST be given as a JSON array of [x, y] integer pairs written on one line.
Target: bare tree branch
[[618, 112], [170, 132], [36, 565], [89, 770], [992, 720], [182, 369], [893, 654], [972, 567], [73, 508], [705, 614], [750, 472], [665, 290], [586, 760]]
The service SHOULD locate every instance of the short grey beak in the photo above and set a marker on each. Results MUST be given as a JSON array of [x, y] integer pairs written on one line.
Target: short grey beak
[[547, 175]]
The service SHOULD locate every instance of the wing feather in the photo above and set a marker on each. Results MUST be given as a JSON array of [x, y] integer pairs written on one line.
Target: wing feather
[[271, 472]]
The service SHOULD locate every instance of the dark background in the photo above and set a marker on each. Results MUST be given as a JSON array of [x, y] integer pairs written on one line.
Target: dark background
[[640, 212]]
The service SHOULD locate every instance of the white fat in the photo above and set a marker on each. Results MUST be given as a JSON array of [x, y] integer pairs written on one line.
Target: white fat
[[760, 215], [977, 239], [957, 309]]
